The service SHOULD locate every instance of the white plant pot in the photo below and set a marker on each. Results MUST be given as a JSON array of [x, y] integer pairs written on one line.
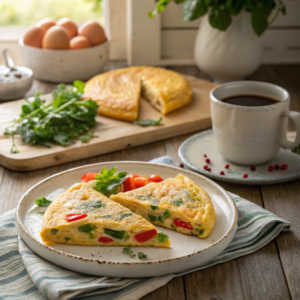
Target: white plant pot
[[228, 55]]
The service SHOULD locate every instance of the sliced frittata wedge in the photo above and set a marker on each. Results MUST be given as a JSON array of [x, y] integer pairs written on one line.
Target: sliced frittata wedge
[[176, 203], [82, 216]]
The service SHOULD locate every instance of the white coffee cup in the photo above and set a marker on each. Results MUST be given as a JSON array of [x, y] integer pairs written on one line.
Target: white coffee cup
[[251, 135]]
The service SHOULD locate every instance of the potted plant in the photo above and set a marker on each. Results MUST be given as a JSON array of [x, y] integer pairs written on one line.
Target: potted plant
[[227, 45]]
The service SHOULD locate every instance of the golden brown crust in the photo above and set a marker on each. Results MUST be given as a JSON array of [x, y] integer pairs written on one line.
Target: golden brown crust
[[117, 92]]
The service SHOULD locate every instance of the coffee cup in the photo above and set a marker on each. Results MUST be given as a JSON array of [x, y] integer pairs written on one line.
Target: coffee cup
[[248, 133]]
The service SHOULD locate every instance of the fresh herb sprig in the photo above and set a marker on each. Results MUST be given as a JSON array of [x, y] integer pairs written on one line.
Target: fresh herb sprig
[[59, 122], [107, 183], [43, 202], [148, 122]]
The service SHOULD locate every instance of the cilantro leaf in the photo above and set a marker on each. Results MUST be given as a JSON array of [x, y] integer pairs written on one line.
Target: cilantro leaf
[[141, 255], [107, 183], [79, 85], [43, 202], [148, 122], [87, 138], [127, 250], [162, 238], [115, 233]]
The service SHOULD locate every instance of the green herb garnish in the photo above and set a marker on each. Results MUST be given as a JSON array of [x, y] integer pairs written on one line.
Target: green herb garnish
[[141, 255], [14, 148], [115, 233], [153, 207], [43, 202], [123, 216], [126, 237], [67, 239], [185, 191], [148, 122], [296, 149], [107, 183], [86, 228], [40, 212], [178, 202], [87, 138], [54, 231], [173, 226], [162, 238], [127, 250], [59, 122]]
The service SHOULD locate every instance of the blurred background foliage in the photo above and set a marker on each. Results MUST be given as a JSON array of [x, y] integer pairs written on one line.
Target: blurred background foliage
[[28, 12]]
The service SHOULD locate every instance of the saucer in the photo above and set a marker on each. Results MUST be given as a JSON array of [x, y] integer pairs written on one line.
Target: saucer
[[193, 150]]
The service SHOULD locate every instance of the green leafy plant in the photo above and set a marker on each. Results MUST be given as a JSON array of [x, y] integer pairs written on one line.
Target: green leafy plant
[[220, 12], [296, 150], [59, 122]]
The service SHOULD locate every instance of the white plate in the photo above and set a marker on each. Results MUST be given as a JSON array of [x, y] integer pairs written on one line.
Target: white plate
[[192, 151], [186, 251]]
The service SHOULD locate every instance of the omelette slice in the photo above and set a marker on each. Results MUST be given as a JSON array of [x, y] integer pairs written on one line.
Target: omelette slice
[[82, 216], [166, 90], [175, 203], [117, 93]]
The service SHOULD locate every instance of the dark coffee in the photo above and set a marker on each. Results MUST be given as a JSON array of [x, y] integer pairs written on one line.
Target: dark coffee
[[250, 100]]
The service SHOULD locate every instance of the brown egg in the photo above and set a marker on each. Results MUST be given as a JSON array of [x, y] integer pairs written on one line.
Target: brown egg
[[69, 25], [93, 31], [80, 42], [33, 37], [57, 37], [45, 24]]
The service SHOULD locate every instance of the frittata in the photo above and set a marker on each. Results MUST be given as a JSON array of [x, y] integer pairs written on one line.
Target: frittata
[[82, 216], [117, 92], [175, 203]]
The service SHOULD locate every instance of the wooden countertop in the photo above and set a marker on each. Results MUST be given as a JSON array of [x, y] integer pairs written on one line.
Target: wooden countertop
[[272, 272]]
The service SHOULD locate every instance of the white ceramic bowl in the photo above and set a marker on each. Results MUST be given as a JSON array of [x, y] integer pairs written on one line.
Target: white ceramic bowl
[[65, 65]]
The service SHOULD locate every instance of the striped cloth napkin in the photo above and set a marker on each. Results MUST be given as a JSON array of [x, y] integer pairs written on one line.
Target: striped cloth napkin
[[24, 275]]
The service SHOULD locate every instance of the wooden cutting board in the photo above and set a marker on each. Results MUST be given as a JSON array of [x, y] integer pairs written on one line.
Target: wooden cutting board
[[112, 135]]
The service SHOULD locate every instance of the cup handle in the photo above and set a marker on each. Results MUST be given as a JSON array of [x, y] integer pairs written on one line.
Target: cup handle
[[295, 117]]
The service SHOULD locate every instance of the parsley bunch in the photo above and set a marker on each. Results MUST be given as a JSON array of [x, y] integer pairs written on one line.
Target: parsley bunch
[[64, 119], [220, 12]]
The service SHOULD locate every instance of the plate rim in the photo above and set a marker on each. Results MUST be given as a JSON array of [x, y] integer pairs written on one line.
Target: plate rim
[[29, 191], [253, 181]]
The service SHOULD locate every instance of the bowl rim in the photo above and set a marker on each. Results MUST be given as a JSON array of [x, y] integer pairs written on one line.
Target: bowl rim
[[21, 43]]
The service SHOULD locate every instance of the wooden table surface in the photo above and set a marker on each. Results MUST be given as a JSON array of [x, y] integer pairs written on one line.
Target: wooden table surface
[[272, 272]]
